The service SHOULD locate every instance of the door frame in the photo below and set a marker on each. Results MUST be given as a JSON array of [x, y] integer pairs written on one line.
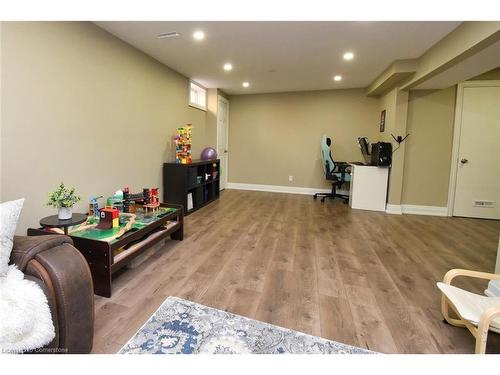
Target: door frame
[[220, 97], [457, 129]]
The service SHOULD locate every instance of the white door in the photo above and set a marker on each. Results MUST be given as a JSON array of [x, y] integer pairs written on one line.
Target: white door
[[477, 189], [222, 138]]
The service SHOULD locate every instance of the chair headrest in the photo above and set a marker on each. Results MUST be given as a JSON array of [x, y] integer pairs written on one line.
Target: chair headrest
[[326, 141]]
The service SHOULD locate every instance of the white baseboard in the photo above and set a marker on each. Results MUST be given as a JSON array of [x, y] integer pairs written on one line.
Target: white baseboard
[[279, 189], [493, 289], [424, 210], [394, 209], [411, 209]]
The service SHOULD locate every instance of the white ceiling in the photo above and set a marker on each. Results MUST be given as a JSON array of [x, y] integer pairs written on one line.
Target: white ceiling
[[281, 56]]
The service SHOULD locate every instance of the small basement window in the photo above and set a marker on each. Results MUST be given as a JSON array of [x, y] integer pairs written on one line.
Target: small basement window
[[197, 96]]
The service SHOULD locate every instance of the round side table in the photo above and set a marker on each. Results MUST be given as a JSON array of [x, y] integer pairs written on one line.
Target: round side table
[[54, 222]]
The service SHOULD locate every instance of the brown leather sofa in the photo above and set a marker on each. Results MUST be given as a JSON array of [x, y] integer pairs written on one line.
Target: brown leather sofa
[[64, 275]]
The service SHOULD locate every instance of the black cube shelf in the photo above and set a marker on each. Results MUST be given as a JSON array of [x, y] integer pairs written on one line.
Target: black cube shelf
[[199, 180]]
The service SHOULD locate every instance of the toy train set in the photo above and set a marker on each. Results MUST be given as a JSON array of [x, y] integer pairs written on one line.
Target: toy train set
[[123, 202], [149, 198]]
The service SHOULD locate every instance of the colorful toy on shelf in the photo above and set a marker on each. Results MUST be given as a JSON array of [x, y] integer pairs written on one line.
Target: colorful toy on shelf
[[109, 218], [94, 206], [183, 143]]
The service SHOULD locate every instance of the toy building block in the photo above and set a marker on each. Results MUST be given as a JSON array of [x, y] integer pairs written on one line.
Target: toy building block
[[108, 216], [130, 200], [94, 206], [126, 200], [153, 199], [116, 218], [146, 196]]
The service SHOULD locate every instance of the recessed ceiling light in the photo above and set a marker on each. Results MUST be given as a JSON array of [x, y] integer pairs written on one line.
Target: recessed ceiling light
[[228, 67], [348, 56], [199, 35], [170, 34], [245, 84], [337, 78]]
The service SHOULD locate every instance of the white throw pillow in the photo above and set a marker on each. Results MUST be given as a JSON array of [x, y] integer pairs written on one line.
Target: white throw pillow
[[9, 214]]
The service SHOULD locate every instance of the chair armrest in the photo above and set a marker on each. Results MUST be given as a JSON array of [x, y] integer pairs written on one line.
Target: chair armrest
[[450, 275], [341, 167], [67, 273], [27, 247], [487, 317]]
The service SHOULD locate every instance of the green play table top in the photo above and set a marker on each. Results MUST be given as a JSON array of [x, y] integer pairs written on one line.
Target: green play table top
[[142, 219]]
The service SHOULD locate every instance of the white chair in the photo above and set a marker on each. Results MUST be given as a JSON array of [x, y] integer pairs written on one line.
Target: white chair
[[479, 314]]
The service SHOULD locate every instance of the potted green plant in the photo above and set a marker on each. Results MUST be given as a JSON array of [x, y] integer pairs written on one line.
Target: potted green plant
[[63, 199]]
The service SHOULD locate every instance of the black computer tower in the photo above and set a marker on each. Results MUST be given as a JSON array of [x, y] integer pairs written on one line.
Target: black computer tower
[[381, 154]]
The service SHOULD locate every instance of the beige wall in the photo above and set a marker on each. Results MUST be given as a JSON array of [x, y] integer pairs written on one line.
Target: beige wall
[[210, 137], [211, 118], [272, 136], [395, 103], [387, 102], [428, 148], [76, 103], [81, 106], [491, 75], [431, 115]]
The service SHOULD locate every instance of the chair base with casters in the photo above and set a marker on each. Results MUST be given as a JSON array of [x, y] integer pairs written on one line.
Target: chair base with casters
[[339, 177], [333, 194], [479, 314]]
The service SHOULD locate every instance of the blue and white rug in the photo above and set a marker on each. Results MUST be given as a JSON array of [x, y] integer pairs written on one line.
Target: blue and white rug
[[185, 327]]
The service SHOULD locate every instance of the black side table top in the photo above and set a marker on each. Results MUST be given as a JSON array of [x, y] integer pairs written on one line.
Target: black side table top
[[54, 222]]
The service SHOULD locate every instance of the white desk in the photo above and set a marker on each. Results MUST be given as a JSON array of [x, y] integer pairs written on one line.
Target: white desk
[[368, 190]]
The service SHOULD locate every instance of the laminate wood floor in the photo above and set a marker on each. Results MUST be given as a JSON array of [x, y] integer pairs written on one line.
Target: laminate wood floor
[[358, 277]]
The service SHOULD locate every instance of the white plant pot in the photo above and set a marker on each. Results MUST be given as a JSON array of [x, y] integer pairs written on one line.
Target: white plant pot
[[64, 213]]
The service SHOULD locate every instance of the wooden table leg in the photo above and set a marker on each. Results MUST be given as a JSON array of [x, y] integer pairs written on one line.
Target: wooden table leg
[[178, 235], [99, 260]]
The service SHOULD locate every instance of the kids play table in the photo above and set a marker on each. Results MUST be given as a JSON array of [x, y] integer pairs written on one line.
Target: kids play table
[[108, 250]]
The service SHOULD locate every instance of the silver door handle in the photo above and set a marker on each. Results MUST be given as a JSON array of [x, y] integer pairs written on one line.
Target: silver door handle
[[464, 161]]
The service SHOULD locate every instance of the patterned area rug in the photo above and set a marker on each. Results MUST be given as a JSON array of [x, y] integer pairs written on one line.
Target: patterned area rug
[[181, 326]]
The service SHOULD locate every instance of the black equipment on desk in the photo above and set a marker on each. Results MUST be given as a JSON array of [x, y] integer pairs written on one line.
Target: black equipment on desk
[[364, 145], [381, 154]]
